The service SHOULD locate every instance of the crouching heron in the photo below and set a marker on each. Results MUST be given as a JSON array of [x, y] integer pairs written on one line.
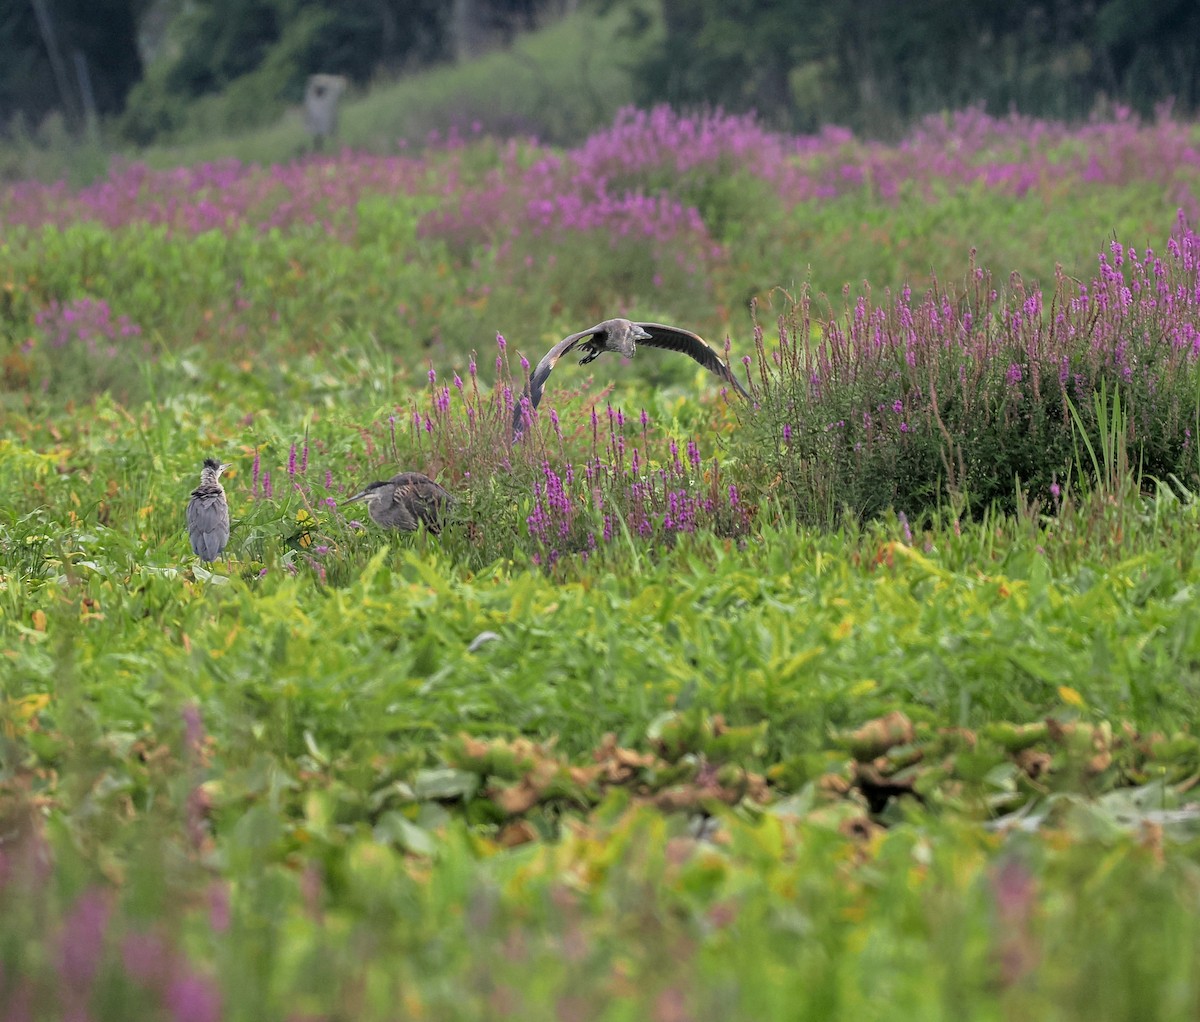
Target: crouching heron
[[208, 513], [623, 336], [405, 501]]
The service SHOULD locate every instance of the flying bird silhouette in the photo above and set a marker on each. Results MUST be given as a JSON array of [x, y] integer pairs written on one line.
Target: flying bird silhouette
[[405, 501], [623, 336]]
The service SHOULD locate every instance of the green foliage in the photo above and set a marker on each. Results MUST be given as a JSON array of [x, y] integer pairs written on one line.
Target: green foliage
[[236, 69]]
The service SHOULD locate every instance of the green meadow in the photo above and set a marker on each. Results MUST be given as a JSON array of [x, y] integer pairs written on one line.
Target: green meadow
[[872, 697]]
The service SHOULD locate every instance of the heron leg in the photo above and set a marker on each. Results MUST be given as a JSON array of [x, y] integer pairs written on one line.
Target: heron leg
[[592, 353]]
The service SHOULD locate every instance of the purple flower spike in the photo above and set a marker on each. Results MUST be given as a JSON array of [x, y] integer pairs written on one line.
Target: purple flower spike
[[82, 941], [192, 998]]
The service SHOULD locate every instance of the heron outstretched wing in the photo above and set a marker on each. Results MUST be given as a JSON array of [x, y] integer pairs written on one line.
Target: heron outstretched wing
[[674, 338], [541, 372]]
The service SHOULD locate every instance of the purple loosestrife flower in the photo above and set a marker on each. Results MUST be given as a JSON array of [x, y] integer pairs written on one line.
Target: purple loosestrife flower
[[1014, 374], [219, 914], [147, 958], [906, 531], [538, 522], [192, 998], [291, 466], [193, 732], [81, 943], [254, 473]]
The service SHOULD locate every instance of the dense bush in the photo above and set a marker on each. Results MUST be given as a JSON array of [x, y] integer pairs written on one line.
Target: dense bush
[[976, 398]]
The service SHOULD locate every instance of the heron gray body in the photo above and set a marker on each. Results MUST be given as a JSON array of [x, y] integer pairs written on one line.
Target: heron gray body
[[405, 502], [208, 513], [623, 336]]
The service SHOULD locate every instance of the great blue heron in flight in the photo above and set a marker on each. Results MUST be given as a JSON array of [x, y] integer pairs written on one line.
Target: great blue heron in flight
[[405, 501], [623, 337], [208, 513]]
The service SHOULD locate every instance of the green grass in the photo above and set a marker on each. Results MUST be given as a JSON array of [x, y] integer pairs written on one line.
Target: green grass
[[325, 792]]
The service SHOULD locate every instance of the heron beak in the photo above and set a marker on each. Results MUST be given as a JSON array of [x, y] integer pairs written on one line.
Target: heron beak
[[350, 500], [639, 334]]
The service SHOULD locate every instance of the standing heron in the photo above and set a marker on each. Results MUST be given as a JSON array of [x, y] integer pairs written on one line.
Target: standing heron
[[405, 501], [623, 337], [208, 513]]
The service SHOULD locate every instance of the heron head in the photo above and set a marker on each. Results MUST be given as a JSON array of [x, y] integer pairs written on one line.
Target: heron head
[[623, 336], [372, 493], [212, 470]]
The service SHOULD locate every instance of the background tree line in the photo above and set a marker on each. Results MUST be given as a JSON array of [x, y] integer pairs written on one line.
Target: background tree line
[[876, 64], [869, 64]]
